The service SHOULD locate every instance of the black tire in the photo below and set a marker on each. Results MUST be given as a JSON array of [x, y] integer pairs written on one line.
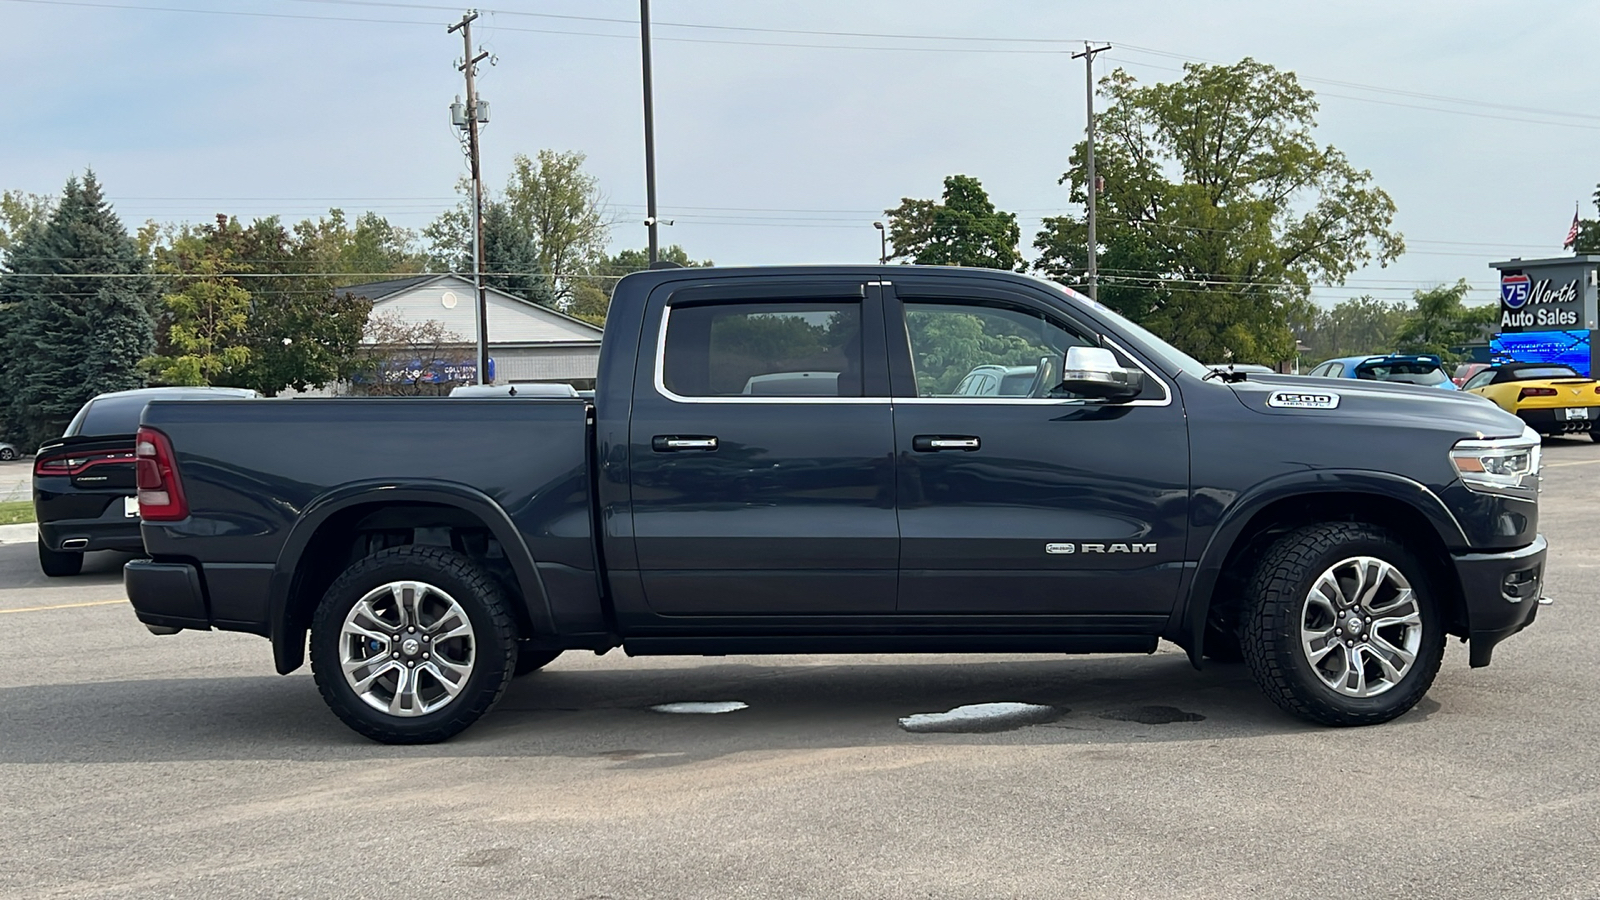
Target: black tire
[[1594, 433], [530, 660], [59, 563], [493, 643], [1279, 607], [7, 454]]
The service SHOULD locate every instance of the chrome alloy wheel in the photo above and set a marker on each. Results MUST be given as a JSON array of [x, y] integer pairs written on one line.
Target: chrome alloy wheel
[[407, 648], [1361, 627]]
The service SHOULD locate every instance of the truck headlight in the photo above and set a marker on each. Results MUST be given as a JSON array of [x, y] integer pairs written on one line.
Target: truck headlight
[[1506, 466]]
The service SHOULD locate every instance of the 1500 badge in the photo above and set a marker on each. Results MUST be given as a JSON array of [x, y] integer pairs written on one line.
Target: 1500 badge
[[1099, 548], [1303, 400]]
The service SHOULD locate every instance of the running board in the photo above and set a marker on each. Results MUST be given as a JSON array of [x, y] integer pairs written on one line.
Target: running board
[[890, 643]]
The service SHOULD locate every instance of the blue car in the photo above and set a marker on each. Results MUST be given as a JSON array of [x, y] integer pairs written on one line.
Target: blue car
[[1402, 368]]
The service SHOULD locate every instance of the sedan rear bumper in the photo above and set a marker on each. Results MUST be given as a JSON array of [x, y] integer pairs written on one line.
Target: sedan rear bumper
[[112, 530], [1502, 592], [1554, 421]]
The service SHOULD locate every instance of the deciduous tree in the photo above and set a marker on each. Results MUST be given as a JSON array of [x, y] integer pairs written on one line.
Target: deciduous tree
[[962, 229], [1219, 210], [1440, 321]]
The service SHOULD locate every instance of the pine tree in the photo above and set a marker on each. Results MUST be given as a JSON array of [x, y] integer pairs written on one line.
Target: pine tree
[[78, 301]]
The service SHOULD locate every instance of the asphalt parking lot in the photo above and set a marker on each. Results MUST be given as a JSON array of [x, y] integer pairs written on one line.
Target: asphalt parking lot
[[138, 766], [16, 479]]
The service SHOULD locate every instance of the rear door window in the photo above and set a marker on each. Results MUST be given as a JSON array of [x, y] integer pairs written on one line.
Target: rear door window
[[777, 349]]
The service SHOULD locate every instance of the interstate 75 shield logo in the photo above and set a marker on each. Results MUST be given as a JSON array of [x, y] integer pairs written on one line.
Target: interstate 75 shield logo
[[1514, 290]]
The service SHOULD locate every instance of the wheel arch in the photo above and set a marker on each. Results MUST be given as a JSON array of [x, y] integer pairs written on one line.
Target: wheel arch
[[1246, 526], [318, 546]]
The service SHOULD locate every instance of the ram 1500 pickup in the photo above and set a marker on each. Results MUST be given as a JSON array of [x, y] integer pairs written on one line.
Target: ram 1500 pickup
[[785, 460]]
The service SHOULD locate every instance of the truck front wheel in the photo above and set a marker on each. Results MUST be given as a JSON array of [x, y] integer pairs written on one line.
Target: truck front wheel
[[1343, 628], [412, 644]]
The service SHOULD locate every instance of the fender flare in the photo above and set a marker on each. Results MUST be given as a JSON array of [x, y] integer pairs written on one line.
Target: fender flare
[[288, 638], [1238, 514]]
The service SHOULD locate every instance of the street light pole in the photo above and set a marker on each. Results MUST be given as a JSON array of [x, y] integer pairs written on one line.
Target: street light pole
[[1091, 185], [883, 244], [649, 134]]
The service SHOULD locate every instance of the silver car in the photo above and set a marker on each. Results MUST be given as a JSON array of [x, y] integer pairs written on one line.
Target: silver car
[[8, 452]]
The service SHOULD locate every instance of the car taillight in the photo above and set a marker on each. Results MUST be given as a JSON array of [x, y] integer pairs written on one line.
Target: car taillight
[[75, 463], [160, 493], [1525, 393]]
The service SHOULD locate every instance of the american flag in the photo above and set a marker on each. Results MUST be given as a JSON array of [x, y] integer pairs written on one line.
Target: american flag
[[1572, 233]]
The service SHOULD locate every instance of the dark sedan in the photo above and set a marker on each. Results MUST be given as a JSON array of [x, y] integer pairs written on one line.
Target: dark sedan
[[83, 481]]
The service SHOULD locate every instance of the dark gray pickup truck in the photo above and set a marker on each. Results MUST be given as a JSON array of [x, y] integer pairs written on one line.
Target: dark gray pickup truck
[[795, 460]]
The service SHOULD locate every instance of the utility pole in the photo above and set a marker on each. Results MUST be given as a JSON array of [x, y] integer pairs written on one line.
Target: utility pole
[[649, 134], [475, 115], [1091, 184]]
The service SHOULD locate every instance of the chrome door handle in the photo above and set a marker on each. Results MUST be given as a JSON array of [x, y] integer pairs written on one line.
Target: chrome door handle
[[668, 443], [927, 443]]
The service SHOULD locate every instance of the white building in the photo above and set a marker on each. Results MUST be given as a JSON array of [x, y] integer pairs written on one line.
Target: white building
[[527, 342]]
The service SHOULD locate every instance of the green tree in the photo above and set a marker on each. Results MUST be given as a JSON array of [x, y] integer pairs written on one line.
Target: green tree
[[543, 233], [564, 212], [208, 313], [77, 296], [591, 293], [1219, 210], [300, 331], [963, 230], [1356, 327], [356, 252], [19, 212], [1441, 320]]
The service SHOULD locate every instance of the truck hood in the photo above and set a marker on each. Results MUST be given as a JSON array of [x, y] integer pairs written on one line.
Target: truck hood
[[1404, 404]]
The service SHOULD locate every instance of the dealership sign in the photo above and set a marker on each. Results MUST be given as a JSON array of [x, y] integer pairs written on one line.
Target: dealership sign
[[1547, 303]]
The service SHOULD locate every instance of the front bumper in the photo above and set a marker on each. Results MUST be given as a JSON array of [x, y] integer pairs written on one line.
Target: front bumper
[[1502, 592]]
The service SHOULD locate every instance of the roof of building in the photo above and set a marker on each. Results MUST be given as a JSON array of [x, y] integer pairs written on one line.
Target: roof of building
[[447, 297], [377, 290]]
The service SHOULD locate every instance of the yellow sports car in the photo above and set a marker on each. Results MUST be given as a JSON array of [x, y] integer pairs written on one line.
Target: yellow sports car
[[1551, 398]]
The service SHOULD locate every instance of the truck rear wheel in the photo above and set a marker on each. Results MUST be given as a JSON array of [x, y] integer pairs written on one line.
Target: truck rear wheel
[[1343, 628], [412, 644]]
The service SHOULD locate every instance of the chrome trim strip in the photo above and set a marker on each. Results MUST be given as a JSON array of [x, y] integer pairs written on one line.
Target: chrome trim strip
[[661, 387]]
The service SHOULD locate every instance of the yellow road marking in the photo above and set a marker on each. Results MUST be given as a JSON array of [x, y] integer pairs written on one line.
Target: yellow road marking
[[61, 606]]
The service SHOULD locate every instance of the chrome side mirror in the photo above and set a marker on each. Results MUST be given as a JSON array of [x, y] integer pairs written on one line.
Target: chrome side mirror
[[1094, 372]]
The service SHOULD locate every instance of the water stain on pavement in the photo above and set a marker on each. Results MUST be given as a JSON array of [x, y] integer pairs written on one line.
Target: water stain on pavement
[[1152, 715], [983, 718]]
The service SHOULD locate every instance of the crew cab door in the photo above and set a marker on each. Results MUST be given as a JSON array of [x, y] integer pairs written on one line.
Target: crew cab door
[[762, 445], [1027, 502]]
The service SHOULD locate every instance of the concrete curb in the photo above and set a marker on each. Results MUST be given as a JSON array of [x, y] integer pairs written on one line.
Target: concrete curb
[[26, 533]]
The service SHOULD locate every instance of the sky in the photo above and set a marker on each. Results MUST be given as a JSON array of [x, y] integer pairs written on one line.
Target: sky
[[784, 130]]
